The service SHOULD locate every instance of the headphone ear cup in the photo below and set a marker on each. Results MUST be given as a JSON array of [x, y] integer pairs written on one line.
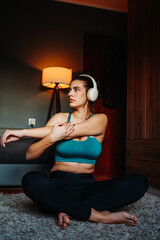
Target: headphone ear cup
[[92, 94]]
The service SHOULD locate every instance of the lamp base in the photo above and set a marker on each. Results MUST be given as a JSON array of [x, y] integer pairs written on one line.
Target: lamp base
[[58, 106]]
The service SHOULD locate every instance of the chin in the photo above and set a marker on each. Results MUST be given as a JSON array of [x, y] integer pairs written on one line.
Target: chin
[[73, 105]]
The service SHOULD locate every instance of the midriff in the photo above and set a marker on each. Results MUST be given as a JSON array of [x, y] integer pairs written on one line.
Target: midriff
[[73, 167]]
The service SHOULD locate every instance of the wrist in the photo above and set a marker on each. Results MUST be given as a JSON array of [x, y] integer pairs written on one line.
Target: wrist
[[50, 139], [23, 133]]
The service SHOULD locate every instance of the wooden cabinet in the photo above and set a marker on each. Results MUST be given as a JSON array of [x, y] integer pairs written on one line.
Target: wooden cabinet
[[143, 87]]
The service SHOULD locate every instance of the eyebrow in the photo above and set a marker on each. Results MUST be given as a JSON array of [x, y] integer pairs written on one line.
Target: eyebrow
[[74, 87]]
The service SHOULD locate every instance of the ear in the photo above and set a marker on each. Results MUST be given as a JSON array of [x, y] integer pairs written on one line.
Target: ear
[[92, 94]]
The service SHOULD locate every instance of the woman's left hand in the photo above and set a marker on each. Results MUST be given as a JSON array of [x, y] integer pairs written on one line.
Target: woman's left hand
[[61, 131]]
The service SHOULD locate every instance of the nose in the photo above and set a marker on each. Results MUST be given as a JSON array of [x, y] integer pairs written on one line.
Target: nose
[[70, 93]]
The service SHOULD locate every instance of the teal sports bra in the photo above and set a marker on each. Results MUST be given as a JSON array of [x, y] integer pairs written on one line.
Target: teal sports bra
[[71, 150]]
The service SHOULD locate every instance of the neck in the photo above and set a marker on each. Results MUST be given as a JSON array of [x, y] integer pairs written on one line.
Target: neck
[[81, 114]]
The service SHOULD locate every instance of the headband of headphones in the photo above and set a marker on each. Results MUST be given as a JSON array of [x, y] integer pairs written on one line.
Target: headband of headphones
[[92, 93]]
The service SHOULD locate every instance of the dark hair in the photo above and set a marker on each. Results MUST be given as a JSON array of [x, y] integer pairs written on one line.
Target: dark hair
[[88, 84], [87, 80]]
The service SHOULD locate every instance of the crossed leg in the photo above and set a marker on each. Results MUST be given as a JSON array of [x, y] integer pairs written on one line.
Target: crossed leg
[[113, 194], [99, 198]]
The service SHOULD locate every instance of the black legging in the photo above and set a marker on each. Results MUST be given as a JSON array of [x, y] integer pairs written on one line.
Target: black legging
[[76, 194]]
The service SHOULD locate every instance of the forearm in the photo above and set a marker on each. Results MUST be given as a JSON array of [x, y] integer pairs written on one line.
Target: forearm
[[36, 149], [36, 132], [94, 126]]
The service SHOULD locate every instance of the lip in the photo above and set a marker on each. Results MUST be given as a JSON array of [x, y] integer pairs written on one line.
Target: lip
[[71, 100]]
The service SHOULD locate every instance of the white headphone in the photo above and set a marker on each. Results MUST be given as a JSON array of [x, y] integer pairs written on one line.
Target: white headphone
[[92, 93]]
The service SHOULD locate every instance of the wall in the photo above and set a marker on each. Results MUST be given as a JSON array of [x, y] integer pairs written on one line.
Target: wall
[[39, 35], [115, 5], [143, 85]]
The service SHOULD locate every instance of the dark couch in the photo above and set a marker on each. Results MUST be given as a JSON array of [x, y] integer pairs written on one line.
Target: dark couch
[[13, 163], [14, 152]]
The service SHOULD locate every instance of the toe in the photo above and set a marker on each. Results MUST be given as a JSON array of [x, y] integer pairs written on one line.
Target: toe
[[66, 219], [60, 219], [64, 225], [131, 221], [59, 223], [133, 218]]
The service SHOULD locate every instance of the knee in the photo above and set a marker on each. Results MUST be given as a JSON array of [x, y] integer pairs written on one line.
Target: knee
[[28, 180]]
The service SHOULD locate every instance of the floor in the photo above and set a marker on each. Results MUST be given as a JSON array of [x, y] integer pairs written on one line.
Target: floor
[[154, 191], [11, 190]]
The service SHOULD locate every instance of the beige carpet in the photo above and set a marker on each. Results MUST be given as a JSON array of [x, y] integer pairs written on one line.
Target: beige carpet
[[21, 219]]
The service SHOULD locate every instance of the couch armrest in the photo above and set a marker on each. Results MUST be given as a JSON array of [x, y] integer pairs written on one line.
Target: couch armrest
[[14, 153]]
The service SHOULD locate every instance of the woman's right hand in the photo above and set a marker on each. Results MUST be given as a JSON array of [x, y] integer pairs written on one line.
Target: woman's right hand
[[11, 135]]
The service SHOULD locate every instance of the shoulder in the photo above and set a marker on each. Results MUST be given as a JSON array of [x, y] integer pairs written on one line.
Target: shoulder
[[101, 117], [98, 120], [58, 117]]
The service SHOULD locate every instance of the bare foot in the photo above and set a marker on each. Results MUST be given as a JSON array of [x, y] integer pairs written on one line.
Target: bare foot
[[63, 220], [117, 217]]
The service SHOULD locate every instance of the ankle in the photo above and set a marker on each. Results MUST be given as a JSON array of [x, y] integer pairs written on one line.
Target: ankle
[[99, 216]]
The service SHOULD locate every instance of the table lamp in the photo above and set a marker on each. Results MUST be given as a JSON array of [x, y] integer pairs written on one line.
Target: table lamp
[[56, 78]]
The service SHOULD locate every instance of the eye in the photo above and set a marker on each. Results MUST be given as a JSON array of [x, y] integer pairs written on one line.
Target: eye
[[76, 89], [68, 90]]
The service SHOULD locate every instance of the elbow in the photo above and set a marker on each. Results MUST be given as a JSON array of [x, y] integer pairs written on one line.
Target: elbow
[[28, 155]]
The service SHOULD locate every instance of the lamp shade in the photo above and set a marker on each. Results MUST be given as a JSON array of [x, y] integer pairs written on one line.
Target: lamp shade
[[53, 75]]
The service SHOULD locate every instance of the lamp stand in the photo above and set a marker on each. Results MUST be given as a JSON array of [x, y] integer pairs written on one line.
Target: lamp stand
[[58, 106]]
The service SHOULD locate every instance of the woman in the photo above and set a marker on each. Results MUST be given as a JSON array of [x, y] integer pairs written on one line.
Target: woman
[[70, 189]]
